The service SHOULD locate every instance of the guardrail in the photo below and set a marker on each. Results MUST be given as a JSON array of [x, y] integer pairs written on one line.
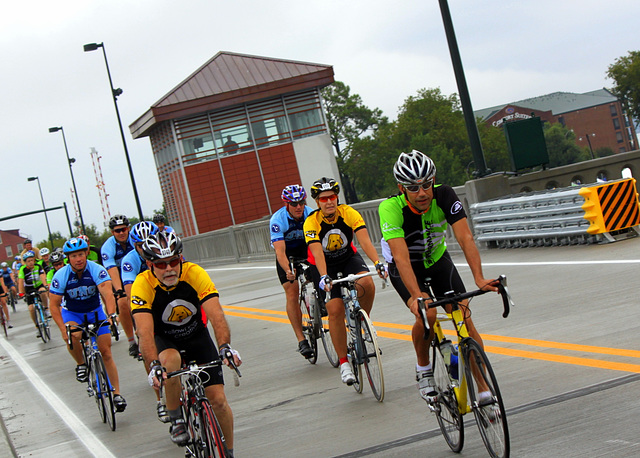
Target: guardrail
[[535, 219]]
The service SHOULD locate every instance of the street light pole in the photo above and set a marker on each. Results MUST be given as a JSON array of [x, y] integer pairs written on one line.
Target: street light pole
[[73, 181], [44, 207], [590, 148], [115, 93]]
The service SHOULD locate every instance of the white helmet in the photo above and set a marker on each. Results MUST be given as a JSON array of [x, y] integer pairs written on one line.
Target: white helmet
[[414, 168], [4, 264], [44, 251]]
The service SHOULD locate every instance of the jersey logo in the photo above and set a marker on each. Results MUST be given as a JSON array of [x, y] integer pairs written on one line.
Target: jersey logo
[[210, 290], [386, 227], [55, 284], [310, 234], [103, 274], [127, 267], [178, 312], [334, 240], [104, 256], [138, 300], [456, 207], [275, 228]]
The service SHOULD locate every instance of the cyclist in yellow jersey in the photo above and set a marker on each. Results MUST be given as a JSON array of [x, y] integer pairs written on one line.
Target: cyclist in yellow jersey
[[167, 302], [329, 233]]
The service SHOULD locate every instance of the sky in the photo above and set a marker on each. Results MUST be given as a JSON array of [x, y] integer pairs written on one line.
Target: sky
[[384, 50]]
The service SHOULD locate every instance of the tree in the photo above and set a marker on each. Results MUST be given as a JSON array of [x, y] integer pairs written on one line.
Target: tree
[[561, 146], [625, 73], [348, 119]]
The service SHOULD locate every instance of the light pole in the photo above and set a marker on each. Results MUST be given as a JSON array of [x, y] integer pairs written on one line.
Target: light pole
[[70, 161], [44, 207], [589, 143], [115, 93]]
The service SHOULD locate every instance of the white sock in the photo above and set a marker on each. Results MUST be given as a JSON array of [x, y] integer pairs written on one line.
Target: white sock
[[423, 368]]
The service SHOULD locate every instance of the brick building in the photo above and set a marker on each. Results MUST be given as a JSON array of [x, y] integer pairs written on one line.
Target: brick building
[[235, 132], [597, 118], [10, 244]]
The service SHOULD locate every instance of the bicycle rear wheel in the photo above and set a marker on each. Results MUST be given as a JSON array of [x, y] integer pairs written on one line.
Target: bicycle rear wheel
[[372, 356], [4, 322], [105, 392], [490, 414], [211, 433], [308, 328], [446, 407]]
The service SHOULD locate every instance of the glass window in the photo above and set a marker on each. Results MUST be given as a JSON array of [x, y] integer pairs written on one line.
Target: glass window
[[20, 247], [614, 111], [305, 114], [230, 131], [268, 123], [9, 251], [194, 134], [616, 123], [619, 137]]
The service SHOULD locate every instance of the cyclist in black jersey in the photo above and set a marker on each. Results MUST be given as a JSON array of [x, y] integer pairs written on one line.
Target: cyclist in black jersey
[[413, 226]]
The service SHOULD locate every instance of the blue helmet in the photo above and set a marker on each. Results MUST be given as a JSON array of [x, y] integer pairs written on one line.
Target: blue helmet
[[28, 254], [294, 193], [74, 244], [141, 231]]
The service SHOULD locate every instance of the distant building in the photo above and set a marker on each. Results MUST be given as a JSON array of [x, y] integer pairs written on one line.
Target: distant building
[[596, 115], [235, 132], [10, 244]]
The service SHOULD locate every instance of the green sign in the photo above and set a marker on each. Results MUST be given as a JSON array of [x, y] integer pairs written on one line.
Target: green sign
[[525, 140]]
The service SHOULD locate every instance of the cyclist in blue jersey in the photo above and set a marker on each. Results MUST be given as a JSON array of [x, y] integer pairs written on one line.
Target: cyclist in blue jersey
[[113, 250], [159, 220], [75, 291], [287, 240], [17, 263], [9, 279]]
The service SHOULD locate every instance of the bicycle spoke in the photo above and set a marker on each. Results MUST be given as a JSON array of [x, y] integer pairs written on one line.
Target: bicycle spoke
[[308, 328], [446, 406]]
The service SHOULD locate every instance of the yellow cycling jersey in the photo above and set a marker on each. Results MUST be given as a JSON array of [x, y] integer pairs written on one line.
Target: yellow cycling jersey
[[177, 311], [336, 237]]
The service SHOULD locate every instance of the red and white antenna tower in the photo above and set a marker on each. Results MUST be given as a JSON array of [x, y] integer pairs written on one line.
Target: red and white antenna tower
[[102, 192]]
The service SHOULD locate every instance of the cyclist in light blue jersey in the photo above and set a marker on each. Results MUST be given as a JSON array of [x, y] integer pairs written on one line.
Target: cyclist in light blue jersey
[[81, 283], [287, 240], [113, 250]]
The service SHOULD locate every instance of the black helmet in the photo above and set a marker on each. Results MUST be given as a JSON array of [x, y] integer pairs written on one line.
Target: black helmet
[[322, 185], [162, 245], [118, 220], [158, 218]]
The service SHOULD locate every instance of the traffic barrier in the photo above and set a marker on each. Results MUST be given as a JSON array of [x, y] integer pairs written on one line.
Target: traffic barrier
[[611, 207], [537, 219]]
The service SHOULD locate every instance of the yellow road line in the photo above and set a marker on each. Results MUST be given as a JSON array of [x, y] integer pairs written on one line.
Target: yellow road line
[[580, 361]]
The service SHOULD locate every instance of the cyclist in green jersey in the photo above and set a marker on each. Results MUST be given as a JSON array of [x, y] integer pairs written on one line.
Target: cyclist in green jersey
[[94, 253], [30, 278], [44, 262], [413, 226], [57, 262]]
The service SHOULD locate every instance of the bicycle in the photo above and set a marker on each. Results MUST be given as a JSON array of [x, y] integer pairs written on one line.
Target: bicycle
[[362, 340], [98, 384], [205, 435], [467, 369], [311, 306], [13, 300], [42, 318]]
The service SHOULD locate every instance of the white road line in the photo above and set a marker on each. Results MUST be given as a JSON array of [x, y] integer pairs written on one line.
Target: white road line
[[84, 434]]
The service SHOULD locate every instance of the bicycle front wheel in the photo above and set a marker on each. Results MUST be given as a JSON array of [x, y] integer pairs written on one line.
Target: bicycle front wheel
[[12, 301], [105, 392], [41, 323], [486, 400], [94, 383], [211, 433], [327, 343], [446, 407], [308, 328], [372, 356]]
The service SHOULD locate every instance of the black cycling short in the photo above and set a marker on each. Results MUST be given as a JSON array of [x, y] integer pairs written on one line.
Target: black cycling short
[[444, 278], [354, 265], [200, 349], [30, 299]]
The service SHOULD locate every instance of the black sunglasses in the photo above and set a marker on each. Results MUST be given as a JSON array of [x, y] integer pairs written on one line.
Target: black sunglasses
[[163, 264], [296, 204], [121, 230]]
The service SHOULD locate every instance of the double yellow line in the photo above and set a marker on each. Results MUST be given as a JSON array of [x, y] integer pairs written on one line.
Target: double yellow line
[[277, 316]]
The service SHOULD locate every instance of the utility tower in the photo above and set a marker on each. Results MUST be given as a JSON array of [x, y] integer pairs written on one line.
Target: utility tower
[[102, 192]]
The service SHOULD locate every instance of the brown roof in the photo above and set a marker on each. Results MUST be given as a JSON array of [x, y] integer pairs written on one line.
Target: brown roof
[[230, 79]]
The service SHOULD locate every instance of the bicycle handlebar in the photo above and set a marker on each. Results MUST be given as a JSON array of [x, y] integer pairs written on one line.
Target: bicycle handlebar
[[507, 302], [353, 277], [84, 327]]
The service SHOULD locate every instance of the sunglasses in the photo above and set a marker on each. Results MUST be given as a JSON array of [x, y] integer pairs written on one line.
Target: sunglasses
[[121, 230], [56, 264], [325, 199], [296, 204], [163, 264], [416, 187]]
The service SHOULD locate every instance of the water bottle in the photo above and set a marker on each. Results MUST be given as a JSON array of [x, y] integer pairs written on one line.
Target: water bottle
[[453, 367], [446, 349]]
